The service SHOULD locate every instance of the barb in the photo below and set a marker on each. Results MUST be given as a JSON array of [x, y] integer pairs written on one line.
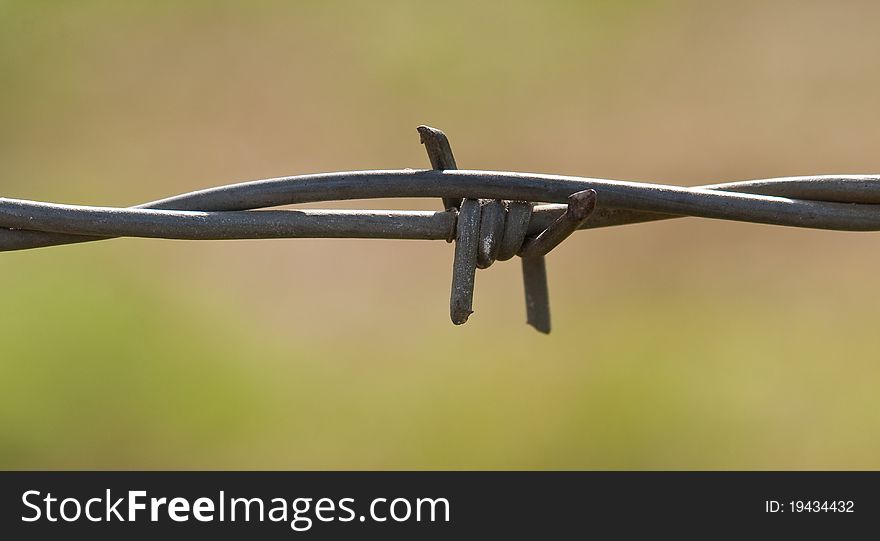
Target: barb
[[533, 250], [464, 265], [580, 206], [440, 155], [505, 220]]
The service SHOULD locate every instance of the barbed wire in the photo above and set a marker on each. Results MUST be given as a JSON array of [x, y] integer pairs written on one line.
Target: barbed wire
[[490, 215]]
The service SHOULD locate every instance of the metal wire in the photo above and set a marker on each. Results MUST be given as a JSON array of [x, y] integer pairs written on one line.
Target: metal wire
[[847, 203], [836, 202]]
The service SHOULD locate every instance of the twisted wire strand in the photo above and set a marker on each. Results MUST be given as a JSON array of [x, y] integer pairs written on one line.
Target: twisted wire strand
[[838, 202]]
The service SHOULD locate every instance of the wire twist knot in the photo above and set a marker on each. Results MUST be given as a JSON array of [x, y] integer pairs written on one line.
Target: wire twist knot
[[495, 229]]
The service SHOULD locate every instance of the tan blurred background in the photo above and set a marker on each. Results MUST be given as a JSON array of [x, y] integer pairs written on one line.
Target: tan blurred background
[[683, 344]]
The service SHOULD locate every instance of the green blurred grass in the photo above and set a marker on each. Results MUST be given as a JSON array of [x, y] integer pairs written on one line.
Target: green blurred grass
[[677, 345]]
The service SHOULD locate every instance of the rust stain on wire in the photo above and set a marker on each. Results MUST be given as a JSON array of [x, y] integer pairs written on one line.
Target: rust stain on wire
[[491, 215]]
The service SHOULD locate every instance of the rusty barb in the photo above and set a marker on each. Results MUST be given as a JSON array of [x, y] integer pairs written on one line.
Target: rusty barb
[[490, 215]]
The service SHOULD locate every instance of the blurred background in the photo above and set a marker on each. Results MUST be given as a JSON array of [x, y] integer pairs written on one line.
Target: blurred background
[[685, 344]]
